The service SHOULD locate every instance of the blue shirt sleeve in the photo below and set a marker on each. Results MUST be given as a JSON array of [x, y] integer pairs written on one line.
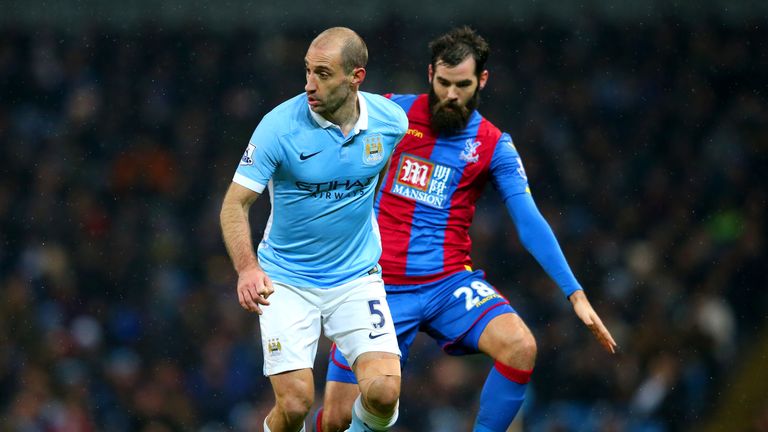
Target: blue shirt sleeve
[[507, 172], [509, 178], [261, 157]]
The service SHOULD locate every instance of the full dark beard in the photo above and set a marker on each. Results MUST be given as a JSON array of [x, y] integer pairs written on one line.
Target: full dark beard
[[450, 117]]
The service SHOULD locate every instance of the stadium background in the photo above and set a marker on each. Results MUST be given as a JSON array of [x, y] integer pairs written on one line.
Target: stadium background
[[644, 129]]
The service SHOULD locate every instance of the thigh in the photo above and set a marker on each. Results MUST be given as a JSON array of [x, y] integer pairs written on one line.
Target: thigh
[[290, 330], [506, 337], [293, 384], [459, 308], [406, 315], [357, 318]]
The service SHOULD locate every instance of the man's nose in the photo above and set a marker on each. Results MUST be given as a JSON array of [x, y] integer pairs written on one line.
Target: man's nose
[[453, 93], [310, 86]]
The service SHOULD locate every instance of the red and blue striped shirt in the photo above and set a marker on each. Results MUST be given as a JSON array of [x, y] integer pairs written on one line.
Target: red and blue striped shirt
[[427, 200]]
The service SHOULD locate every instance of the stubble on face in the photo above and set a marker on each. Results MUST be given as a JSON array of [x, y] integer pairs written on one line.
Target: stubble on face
[[330, 89]]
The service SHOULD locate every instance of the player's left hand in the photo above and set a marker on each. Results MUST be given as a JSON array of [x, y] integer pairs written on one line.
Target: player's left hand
[[253, 288], [587, 314]]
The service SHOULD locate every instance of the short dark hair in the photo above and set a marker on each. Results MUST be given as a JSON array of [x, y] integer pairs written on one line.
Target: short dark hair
[[455, 46], [354, 52]]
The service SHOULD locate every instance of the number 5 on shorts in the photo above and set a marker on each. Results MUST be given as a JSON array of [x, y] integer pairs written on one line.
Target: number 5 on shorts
[[372, 305]]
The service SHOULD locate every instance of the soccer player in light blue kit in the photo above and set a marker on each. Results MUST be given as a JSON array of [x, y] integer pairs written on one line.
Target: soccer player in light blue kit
[[321, 154]]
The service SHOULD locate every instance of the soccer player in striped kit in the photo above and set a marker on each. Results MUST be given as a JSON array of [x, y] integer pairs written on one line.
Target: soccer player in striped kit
[[424, 209]]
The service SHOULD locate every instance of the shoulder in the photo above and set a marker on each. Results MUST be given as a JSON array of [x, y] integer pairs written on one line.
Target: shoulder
[[404, 100], [490, 133], [488, 129], [385, 112], [503, 148], [416, 107], [288, 117]]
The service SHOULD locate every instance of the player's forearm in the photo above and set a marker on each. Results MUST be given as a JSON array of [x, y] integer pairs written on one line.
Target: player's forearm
[[236, 232], [543, 245], [537, 237]]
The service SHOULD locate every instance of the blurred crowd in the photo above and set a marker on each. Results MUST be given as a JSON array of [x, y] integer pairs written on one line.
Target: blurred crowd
[[645, 147]]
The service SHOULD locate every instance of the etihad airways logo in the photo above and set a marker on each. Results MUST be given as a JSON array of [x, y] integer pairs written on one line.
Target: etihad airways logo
[[422, 180], [337, 189]]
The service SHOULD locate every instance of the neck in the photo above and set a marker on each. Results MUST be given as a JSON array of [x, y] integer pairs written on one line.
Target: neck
[[346, 116]]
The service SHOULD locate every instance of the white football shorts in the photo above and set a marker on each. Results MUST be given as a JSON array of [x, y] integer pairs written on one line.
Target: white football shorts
[[354, 315]]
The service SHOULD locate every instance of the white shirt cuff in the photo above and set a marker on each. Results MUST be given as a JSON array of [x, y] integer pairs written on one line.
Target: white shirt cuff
[[250, 184]]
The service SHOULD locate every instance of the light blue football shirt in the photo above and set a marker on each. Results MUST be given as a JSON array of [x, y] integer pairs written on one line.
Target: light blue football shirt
[[321, 231]]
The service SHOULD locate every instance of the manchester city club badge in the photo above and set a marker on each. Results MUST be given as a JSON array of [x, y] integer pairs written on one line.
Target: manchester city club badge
[[373, 149]]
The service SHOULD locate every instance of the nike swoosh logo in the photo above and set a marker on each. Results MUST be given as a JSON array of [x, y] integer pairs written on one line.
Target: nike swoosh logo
[[302, 156], [373, 336]]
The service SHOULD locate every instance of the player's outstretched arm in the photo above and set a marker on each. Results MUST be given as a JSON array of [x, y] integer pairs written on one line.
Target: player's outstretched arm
[[540, 241], [589, 317], [253, 285]]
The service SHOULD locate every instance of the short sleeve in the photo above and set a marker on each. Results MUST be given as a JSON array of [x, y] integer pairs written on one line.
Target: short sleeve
[[261, 157], [402, 122]]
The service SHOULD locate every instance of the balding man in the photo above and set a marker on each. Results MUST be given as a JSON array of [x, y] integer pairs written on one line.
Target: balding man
[[322, 153]]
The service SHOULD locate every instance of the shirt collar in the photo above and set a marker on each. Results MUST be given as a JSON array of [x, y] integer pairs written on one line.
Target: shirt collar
[[362, 120]]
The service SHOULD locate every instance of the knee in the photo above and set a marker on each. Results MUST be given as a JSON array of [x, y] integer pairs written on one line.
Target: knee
[[382, 394], [528, 347], [518, 351], [295, 407]]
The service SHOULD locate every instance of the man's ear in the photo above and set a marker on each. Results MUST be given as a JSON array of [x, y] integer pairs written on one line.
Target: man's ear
[[483, 79], [358, 76]]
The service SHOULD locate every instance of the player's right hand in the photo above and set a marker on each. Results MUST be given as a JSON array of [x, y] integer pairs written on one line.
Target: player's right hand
[[587, 314], [253, 289]]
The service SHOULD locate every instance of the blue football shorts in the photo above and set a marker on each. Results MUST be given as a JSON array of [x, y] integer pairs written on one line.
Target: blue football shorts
[[453, 310]]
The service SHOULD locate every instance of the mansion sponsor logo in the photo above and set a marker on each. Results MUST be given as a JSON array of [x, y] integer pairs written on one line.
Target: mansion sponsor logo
[[422, 180]]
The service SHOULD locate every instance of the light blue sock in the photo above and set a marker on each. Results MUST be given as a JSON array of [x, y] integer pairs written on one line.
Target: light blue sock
[[365, 421], [267, 429]]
